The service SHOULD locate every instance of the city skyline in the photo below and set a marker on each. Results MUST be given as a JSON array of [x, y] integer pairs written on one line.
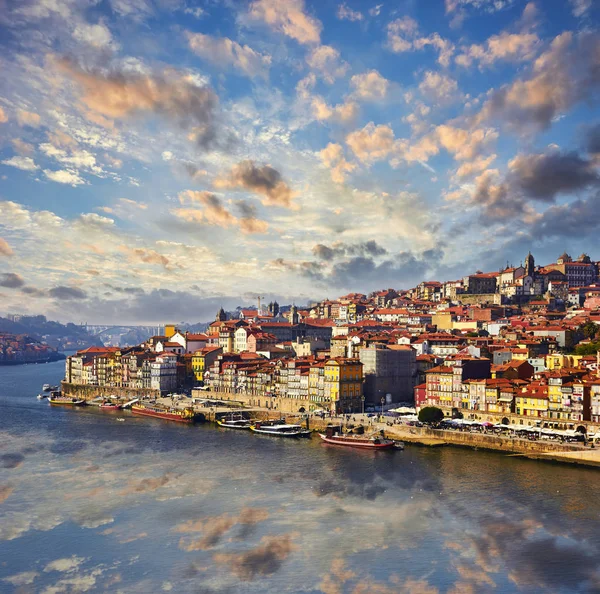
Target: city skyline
[[171, 157]]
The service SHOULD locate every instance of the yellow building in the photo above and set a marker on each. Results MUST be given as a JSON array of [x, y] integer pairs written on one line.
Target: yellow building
[[558, 361], [203, 359], [170, 330], [343, 384], [532, 403]]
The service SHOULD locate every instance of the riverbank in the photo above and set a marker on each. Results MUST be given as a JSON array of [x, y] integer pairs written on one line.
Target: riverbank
[[50, 359], [420, 436]]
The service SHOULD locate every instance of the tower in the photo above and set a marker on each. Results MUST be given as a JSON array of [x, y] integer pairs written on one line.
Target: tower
[[529, 265], [294, 318]]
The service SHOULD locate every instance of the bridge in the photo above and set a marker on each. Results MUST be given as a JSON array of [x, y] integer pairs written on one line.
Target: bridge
[[106, 329]]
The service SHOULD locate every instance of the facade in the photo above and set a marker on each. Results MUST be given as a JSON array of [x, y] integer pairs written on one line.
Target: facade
[[388, 369]]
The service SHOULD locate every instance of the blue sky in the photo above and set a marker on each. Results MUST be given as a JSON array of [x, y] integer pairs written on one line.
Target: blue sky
[[158, 158]]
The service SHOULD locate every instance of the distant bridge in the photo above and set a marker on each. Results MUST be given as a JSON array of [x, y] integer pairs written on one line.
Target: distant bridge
[[103, 329]]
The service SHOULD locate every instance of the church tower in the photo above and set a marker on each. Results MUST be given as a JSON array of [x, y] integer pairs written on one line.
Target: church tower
[[529, 265], [294, 318]]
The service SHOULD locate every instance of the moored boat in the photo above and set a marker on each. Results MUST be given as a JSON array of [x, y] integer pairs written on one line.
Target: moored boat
[[279, 429], [185, 415], [110, 406], [46, 387], [58, 400], [42, 396], [334, 436], [234, 423]]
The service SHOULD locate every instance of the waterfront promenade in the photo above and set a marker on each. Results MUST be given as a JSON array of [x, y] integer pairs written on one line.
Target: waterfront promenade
[[418, 436]]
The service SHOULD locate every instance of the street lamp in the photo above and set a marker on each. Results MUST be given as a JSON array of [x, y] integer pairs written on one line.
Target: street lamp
[[362, 401], [382, 403]]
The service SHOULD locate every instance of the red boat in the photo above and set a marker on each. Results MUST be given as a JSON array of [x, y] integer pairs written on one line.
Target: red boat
[[375, 442], [186, 415], [110, 406]]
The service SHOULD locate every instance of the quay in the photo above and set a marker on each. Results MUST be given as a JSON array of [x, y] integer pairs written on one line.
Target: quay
[[211, 405]]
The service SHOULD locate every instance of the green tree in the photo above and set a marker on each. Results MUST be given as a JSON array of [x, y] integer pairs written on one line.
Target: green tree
[[589, 329], [431, 414]]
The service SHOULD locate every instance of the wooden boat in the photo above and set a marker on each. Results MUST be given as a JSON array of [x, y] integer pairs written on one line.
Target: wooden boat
[[185, 415], [279, 429], [234, 423], [110, 406], [57, 400], [334, 436]]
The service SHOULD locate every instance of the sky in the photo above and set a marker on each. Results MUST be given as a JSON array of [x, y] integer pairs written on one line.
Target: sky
[[161, 158]]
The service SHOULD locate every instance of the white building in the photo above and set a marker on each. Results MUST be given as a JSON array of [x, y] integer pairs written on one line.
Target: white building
[[163, 373]]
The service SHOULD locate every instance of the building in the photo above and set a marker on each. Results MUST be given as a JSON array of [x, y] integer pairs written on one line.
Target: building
[[390, 372], [579, 273], [343, 384]]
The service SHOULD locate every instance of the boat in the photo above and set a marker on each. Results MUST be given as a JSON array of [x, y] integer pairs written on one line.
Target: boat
[[180, 415], [110, 406], [58, 400], [46, 387], [279, 429], [334, 436], [239, 422], [42, 396]]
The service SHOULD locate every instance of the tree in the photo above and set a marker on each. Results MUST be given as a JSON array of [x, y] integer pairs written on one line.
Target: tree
[[431, 414], [589, 329]]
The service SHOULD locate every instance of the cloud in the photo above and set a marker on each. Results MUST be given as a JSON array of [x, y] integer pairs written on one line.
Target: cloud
[[3, 116], [474, 166], [345, 13], [64, 176], [341, 249], [326, 60], [65, 565], [333, 157], [28, 118], [536, 177], [148, 256], [370, 86], [148, 485], [510, 47], [592, 140], [437, 87], [464, 144], [580, 7], [67, 293], [22, 147], [248, 221], [343, 113], [98, 36], [264, 180], [213, 529], [214, 213], [5, 249], [23, 163], [12, 459], [576, 219], [371, 143], [287, 17], [119, 94], [265, 559], [403, 36], [11, 280], [564, 75], [543, 176], [24, 578], [225, 53]]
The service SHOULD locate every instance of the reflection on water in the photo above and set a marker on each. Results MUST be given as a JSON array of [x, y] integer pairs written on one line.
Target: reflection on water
[[94, 505]]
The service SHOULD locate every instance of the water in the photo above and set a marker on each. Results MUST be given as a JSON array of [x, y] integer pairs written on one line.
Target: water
[[90, 504]]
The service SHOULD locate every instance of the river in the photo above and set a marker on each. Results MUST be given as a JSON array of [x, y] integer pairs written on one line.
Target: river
[[92, 504]]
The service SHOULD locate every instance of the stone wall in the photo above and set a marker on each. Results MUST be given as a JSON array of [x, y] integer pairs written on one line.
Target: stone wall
[[91, 392], [284, 405]]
